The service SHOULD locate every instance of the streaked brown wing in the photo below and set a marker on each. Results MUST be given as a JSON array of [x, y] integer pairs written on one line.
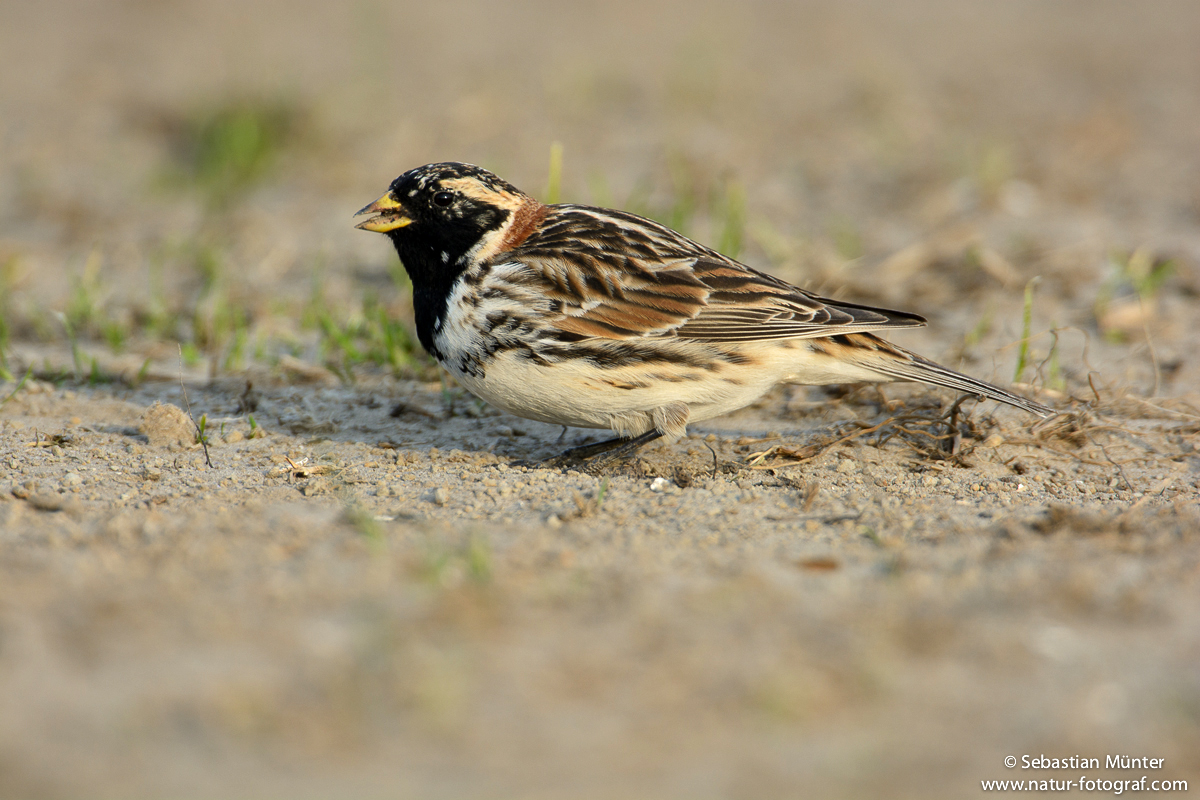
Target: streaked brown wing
[[745, 305], [617, 276]]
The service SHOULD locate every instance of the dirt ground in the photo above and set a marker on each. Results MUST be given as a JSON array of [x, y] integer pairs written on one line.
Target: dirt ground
[[361, 588]]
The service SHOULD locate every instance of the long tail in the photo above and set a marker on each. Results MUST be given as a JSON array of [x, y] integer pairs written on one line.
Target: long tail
[[904, 365]]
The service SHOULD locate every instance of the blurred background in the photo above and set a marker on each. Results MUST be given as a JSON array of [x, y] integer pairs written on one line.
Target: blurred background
[[187, 172], [180, 178]]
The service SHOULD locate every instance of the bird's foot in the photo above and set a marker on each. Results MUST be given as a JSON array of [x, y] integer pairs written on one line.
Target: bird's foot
[[600, 454]]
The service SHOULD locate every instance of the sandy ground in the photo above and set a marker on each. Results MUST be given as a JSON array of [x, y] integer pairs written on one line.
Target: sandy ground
[[363, 588]]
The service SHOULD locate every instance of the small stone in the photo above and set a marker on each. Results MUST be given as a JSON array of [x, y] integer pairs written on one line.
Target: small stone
[[72, 479], [440, 496], [995, 440], [46, 501], [659, 485], [234, 437], [847, 466], [165, 425]]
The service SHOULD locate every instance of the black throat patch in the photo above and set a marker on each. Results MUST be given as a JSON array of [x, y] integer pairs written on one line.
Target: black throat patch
[[433, 251]]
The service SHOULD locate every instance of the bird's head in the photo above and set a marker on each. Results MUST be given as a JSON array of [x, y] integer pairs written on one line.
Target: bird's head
[[442, 217]]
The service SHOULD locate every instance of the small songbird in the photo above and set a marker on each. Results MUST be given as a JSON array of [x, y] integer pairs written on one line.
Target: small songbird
[[595, 318]]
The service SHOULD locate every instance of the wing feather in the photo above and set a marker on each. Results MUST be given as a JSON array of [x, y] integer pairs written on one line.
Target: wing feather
[[612, 275]]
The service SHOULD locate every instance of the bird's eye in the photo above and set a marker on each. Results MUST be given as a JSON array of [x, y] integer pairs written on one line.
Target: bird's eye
[[443, 199]]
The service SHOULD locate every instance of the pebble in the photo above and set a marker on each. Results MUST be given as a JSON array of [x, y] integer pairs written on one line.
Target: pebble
[[46, 501]]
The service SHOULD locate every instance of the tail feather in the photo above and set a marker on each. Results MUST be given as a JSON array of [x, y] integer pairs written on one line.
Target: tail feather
[[918, 368]]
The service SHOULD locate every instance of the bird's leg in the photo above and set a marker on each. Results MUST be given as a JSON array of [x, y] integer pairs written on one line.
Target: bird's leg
[[606, 451], [625, 448]]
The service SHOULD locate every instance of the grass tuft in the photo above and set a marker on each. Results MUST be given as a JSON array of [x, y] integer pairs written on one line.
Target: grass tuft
[[733, 229], [225, 149], [84, 311], [1026, 323], [447, 565], [1146, 273], [478, 559], [202, 430], [365, 523], [1127, 298], [20, 385], [370, 334], [981, 329], [601, 493]]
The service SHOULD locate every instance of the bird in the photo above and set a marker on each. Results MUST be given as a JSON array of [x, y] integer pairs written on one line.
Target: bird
[[591, 317]]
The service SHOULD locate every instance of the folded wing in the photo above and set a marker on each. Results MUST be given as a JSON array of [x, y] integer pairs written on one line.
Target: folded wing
[[613, 275]]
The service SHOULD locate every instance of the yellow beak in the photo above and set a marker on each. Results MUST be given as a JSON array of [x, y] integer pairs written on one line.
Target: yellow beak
[[390, 215]]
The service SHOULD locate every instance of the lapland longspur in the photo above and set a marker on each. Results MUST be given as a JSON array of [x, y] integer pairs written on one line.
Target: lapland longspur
[[596, 318]]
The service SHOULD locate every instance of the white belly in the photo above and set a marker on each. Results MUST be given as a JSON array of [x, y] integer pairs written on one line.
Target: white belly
[[628, 381], [623, 399]]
